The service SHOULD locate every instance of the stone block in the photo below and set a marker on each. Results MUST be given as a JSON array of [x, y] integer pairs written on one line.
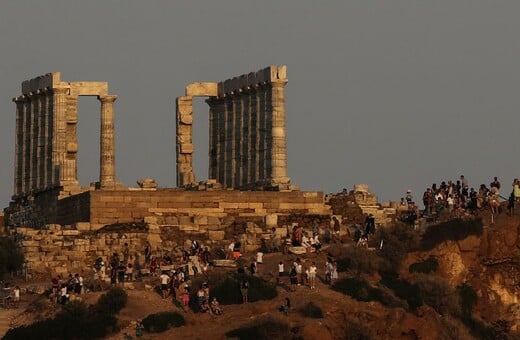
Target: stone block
[[189, 227], [200, 219], [216, 235], [213, 220], [71, 232], [83, 226]]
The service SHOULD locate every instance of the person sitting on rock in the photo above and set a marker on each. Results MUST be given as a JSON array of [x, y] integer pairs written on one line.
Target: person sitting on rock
[[215, 307]]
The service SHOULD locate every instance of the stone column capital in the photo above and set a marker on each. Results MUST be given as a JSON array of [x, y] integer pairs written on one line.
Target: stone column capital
[[278, 82], [107, 98], [20, 99]]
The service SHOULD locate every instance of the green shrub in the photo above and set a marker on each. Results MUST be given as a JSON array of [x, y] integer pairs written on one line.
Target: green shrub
[[358, 289], [454, 230], [468, 298], [112, 301], [438, 294], [360, 261], [404, 290], [160, 322], [263, 329], [11, 256], [227, 289], [427, 266], [310, 310], [355, 331], [397, 242], [74, 321]]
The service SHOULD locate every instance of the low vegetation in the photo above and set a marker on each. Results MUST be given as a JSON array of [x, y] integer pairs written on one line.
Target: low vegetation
[[227, 289], [452, 230], [160, 322], [262, 329], [11, 257], [430, 265], [311, 310], [77, 320]]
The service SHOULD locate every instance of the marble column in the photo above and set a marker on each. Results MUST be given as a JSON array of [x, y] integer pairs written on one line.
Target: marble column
[[184, 142], [262, 132], [278, 149], [237, 139], [19, 145], [40, 154], [107, 173], [27, 145], [254, 135], [48, 139], [59, 142]]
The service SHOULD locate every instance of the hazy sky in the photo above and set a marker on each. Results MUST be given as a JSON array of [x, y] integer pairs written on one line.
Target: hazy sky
[[396, 94]]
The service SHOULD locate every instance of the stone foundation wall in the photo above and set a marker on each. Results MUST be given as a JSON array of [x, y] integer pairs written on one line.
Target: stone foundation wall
[[121, 206]]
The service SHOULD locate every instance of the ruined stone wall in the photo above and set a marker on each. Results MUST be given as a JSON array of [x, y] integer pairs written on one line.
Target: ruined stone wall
[[107, 207]]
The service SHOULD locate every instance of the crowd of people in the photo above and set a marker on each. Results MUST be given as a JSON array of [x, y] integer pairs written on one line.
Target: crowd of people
[[10, 296], [459, 199], [62, 289]]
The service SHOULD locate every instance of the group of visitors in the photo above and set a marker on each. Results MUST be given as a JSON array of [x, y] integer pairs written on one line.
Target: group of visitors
[[458, 198], [10, 296], [62, 289]]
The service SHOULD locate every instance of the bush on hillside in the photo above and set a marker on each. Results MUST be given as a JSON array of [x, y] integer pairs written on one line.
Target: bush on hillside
[[358, 289], [11, 256], [468, 297], [311, 310], [355, 331], [453, 230], [227, 289], [360, 261], [160, 322], [397, 242], [438, 294], [75, 321], [430, 265], [262, 329], [405, 290], [112, 301]]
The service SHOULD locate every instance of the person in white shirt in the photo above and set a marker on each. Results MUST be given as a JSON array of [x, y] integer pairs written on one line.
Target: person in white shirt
[[312, 275], [165, 279]]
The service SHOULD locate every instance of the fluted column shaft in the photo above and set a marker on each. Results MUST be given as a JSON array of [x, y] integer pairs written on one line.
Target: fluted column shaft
[[19, 145], [107, 174], [60, 129], [279, 145]]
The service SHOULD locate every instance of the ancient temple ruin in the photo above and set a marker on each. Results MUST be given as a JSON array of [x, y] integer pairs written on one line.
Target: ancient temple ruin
[[247, 145], [46, 135]]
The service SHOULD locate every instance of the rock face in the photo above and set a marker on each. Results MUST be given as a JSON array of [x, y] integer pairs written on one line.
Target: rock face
[[490, 264]]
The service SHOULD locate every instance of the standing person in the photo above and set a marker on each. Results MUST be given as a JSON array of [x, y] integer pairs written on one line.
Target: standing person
[[328, 269], [244, 288], [126, 254], [299, 271], [336, 228], [165, 279], [312, 275], [281, 271], [147, 254], [409, 197], [16, 296], [293, 277], [334, 273], [516, 189], [511, 203]]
